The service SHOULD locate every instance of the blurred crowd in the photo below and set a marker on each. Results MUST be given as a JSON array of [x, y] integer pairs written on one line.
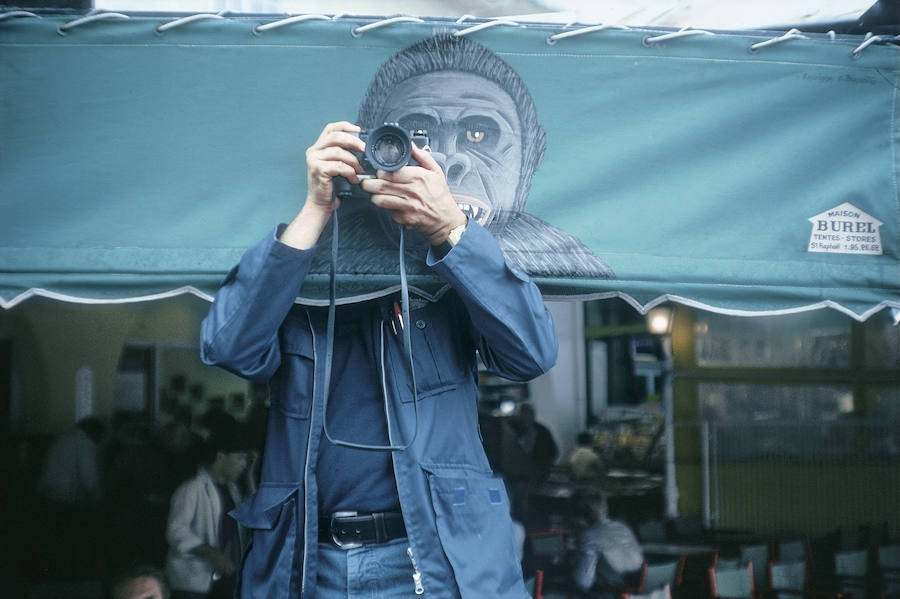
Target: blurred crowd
[[130, 506]]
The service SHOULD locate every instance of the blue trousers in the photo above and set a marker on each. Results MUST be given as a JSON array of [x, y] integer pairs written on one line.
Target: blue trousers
[[370, 572]]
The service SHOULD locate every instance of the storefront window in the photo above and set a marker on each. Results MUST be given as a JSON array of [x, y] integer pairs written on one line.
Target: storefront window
[[882, 341], [802, 422], [728, 403], [815, 339], [884, 414]]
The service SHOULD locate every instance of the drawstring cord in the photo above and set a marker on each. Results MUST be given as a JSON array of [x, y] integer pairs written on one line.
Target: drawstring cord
[[329, 351]]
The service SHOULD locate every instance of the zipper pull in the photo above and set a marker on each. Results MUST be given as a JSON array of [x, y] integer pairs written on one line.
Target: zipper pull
[[417, 576]]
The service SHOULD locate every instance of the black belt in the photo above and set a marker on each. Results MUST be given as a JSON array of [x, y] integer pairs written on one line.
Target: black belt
[[348, 530]]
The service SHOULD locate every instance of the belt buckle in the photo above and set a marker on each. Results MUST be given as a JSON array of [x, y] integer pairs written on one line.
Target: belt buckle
[[338, 542]]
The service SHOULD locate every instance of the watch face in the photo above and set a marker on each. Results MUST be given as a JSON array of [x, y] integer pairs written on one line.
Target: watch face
[[456, 235]]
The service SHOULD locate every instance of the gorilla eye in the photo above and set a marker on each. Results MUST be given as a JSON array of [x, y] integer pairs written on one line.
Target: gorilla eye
[[480, 131], [475, 136]]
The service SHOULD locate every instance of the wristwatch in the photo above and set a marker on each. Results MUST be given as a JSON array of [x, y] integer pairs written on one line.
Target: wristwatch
[[456, 234]]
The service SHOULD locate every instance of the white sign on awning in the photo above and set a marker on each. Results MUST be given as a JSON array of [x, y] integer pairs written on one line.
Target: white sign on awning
[[845, 229]]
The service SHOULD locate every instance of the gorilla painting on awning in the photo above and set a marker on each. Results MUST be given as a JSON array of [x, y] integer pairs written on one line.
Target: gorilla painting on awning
[[482, 128]]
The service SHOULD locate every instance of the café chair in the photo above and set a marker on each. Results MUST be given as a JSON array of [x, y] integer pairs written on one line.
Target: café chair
[[732, 583], [632, 583], [787, 580], [728, 563], [663, 593], [651, 577], [851, 572], [658, 575], [889, 567], [695, 574], [535, 586], [758, 555], [792, 550], [550, 551]]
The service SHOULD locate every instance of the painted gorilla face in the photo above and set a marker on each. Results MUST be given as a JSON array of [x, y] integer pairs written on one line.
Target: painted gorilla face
[[474, 133]]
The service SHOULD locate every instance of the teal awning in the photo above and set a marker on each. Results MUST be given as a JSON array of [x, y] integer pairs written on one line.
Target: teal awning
[[740, 172]]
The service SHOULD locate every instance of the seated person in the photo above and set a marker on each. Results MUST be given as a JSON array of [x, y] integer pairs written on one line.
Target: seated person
[[607, 551], [584, 462]]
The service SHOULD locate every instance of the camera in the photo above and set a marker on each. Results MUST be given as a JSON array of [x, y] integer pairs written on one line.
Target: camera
[[389, 148]]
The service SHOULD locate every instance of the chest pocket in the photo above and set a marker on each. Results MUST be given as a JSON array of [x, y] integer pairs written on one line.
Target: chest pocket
[[292, 385], [442, 357]]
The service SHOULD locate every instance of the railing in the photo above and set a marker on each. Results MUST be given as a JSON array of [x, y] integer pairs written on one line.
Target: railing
[[776, 477]]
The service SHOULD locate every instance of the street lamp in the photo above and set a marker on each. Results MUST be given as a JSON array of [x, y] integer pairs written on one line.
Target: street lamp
[[659, 322]]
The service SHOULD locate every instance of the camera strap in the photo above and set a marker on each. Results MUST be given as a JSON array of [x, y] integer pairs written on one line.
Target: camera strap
[[407, 342]]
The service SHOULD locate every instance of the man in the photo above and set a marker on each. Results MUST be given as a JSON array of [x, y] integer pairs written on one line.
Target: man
[[378, 482], [71, 475], [607, 551], [529, 453], [204, 543], [71, 492], [142, 582]]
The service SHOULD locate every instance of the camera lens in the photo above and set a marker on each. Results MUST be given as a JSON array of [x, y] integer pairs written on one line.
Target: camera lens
[[388, 148]]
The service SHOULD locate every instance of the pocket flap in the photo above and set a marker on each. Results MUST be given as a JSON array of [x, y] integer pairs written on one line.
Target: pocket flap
[[263, 510], [299, 344]]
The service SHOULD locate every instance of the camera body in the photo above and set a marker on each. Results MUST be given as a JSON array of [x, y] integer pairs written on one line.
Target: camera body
[[388, 148]]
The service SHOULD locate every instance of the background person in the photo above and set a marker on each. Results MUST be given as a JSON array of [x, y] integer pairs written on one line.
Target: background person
[[529, 452], [607, 551], [140, 582], [70, 490], [204, 541], [585, 463]]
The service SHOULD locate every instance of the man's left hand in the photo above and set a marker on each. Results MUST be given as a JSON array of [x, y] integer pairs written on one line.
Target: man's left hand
[[418, 197]]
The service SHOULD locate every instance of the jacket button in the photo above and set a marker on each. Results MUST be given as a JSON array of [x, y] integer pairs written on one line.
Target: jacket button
[[420, 324]]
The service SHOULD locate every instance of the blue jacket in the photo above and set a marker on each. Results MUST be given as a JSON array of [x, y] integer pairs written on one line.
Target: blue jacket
[[456, 511]]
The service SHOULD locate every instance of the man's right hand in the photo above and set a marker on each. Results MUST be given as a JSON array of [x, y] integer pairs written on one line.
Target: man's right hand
[[218, 560], [331, 156]]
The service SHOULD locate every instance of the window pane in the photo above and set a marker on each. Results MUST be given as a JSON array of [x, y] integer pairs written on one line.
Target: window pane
[[791, 422], [820, 338], [728, 403], [883, 405], [882, 341]]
